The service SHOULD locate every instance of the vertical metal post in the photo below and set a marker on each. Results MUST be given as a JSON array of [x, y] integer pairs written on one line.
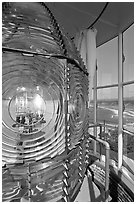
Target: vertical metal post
[[107, 171], [104, 126], [29, 182], [100, 138], [91, 186], [120, 100], [95, 107]]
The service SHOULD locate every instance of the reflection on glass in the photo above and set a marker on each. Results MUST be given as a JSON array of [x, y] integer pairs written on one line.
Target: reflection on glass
[[107, 61], [27, 110], [128, 50], [33, 111]]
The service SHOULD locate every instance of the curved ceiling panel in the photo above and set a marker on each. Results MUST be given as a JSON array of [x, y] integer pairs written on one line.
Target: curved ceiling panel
[[76, 16]]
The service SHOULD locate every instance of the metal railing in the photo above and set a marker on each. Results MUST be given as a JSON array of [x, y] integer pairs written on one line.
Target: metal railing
[[107, 157]]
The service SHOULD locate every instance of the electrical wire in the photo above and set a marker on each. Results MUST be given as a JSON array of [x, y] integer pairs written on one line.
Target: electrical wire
[[98, 16]]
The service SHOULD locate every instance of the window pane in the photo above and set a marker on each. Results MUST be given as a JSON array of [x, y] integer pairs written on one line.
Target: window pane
[[128, 112], [108, 94], [128, 121], [107, 114], [91, 110], [107, 60], [107, 111], [128, 49]]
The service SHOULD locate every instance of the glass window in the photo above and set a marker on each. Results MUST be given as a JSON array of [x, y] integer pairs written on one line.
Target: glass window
[[128, 145], [107, 105], [107, 61], [91, 110], [128, 121], [107, 114], [128, 49]]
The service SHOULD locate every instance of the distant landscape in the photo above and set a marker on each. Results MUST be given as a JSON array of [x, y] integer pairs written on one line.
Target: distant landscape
[[107, 113]]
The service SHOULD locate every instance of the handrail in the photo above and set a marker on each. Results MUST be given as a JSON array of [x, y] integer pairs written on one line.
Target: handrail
[[94, 125], [114, 85], [101, 124], [127, 131], [110, 126], [107, 156]]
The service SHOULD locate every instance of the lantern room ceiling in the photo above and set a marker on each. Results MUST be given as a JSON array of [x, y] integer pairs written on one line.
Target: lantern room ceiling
[[76, 16]]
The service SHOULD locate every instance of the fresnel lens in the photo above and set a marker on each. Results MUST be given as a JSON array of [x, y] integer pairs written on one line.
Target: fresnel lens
[[45, 108]]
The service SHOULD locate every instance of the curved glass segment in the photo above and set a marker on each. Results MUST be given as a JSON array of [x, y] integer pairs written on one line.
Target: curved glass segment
[[78, 117], [27, 26], [31, 104]]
